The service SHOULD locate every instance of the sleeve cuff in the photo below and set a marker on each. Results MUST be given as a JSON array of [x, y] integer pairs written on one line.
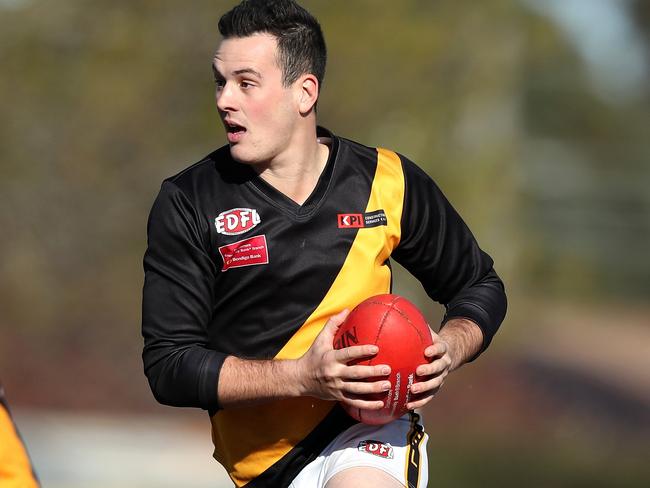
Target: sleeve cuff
[[208, 385]]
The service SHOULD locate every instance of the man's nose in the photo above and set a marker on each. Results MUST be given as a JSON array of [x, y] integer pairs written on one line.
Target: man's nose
[[225, 98]]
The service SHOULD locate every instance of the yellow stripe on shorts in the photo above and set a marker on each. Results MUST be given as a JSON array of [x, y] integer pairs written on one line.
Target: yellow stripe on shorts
[[415, 437]]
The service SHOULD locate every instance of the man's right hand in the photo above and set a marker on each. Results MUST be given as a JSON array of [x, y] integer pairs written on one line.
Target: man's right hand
[[324, 373]]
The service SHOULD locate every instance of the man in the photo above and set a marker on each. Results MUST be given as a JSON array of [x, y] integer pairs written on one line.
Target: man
[[253, 262], [15, 468]]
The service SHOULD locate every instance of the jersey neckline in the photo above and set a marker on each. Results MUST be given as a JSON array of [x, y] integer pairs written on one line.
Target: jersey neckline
[[309, 207]]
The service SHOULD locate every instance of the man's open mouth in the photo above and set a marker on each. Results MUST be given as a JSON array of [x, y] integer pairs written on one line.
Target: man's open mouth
[[233, 128]]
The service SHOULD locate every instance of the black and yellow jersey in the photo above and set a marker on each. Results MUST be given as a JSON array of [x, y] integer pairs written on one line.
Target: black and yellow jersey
[[15, 467], [234, 267]]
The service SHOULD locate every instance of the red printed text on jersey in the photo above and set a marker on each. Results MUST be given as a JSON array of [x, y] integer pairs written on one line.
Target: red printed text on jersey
[[249, 252], [377, 448]]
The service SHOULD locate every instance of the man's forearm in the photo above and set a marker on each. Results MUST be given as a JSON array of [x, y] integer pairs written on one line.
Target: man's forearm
[[246, 382], [322, 372], [465, 340]]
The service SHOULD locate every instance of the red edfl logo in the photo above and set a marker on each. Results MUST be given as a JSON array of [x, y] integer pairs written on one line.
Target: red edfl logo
[[377, 448], [237, 221]]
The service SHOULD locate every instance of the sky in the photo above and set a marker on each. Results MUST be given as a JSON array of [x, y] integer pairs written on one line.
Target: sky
[[606, 38]]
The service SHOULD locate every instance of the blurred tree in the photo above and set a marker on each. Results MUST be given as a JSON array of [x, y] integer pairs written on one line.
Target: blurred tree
[[103, 99], [585, 176]]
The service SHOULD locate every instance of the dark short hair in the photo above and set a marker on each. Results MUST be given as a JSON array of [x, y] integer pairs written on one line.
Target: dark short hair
[[301, 45]]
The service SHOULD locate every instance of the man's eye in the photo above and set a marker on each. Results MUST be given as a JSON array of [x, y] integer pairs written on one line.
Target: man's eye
[[219, 83], [245, 84]]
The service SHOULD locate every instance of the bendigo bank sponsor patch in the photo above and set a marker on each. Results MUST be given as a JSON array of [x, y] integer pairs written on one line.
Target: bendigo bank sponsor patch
[[249, 252]]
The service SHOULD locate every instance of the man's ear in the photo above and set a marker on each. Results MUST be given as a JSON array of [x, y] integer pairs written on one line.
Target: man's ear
[[307, 94]]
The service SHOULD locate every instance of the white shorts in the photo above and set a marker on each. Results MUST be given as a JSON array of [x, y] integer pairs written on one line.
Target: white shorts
[[397, 448]]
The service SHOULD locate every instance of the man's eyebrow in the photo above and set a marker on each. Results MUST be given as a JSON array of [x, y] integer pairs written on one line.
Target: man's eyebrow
[[245, 71]]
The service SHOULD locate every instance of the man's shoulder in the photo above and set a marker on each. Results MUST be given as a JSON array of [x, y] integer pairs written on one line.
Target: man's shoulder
[[357, 148], [200, 168], [213, 171], [371, 152]]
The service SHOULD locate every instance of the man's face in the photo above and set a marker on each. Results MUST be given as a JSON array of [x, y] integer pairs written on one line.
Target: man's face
[[258, 112]]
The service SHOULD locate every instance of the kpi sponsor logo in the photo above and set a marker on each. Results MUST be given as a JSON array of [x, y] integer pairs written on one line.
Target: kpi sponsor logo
[[350, 221], [361, 221], [377, 448], [236, 221]]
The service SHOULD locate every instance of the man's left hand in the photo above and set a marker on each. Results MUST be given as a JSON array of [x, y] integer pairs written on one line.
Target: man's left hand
[[459, 341], [432, 374]]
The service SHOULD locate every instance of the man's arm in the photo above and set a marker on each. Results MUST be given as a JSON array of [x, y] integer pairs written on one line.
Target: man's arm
[[438, 248], [177, 305], [464, 340], [322, 372], [459, 341]]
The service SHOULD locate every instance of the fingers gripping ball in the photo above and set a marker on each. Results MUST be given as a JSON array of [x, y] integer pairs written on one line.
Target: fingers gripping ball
[[402, 334]]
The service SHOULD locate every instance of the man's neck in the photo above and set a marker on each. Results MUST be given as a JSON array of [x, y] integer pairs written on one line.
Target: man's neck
[[296, 174]]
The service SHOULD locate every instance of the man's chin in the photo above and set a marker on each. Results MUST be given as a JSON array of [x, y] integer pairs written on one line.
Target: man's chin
[[240, 156]]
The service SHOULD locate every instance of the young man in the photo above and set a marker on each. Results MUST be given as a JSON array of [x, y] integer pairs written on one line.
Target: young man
[[252, 264], [15, 468]]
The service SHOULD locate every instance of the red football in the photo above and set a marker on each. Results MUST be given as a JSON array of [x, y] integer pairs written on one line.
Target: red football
[[402, 334]]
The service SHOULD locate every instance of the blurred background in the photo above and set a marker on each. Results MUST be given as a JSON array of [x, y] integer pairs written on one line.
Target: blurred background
[[532, 115]]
